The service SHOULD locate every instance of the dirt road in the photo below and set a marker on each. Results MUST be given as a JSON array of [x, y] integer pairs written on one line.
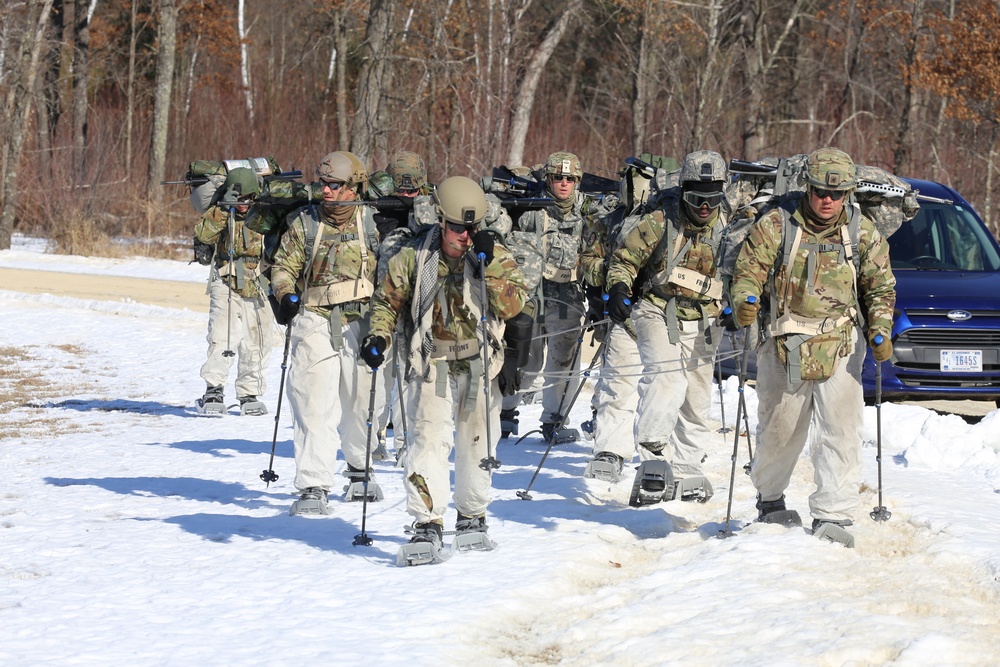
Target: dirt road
[[167, 293]]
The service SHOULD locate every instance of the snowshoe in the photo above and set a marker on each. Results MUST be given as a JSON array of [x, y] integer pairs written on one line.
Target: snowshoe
[[212, 402], [425, 547], [773, 511], [606, 466], [557, 435], [652, 479], [508, 423], [355, 490], [690, 489], [249, 405], [311, 502], [833, 531], [470, 535], [380, 453]]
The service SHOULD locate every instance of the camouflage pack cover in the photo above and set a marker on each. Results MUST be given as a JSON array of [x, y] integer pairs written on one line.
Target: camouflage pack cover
[[379, 185], [204, 195]]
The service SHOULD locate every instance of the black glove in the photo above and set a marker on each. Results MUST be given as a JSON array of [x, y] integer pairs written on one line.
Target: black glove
[[727, 319], [482, 244], [203, 252], [288, 308], [509, 378], [373, 350], [619, 303]]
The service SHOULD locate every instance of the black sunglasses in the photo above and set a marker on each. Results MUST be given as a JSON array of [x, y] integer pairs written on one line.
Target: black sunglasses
[[559, 177], [835, 195], [699, 199], [333, 185], [458, 228]]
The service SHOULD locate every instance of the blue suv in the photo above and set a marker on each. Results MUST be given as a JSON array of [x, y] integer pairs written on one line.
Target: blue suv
[[946, 326]]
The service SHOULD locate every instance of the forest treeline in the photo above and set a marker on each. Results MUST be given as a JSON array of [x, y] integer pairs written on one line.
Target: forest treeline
[[103, 99]]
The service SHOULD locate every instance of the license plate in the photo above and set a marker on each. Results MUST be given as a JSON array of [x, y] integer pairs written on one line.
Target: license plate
[[962, 361]]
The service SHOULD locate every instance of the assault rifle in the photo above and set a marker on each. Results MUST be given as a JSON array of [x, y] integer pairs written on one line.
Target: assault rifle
[[195, 181]]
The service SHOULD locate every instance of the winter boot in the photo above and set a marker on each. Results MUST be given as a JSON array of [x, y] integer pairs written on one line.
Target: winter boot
[[588, 426], [312, 501], [212, 403], [508, 422], [555, 434], [380, 453], [355, 489], [773, 511], [424, 547], [833, 531], [606, 466], [470, 534], [249, 405]]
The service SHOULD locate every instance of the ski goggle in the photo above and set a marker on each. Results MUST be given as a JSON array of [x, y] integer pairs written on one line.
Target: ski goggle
[[699, 199], [835, 195]]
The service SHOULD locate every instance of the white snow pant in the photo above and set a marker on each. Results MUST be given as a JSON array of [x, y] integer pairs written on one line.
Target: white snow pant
[[329, 392], [438, 423], [616, 395], [675, 390], [835, 410], [249, 334]]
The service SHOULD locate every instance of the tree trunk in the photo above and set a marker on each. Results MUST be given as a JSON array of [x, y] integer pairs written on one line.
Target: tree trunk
[[244, 61], [81, 68], [525, 98], [902, 154], [375, 53], [165, 59], [341, 42], [640, 85], [24, 86]]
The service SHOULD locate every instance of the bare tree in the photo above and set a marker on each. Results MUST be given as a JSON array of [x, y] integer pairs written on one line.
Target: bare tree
[[367, 132], [165, 59], [23, 92], [81, 77], [525, 98]]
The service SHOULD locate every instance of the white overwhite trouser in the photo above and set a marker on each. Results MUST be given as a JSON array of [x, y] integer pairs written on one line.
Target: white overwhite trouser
[[834, 408], [675, 390], [249, 334], [616, 395], [438, 424], [328, 392], [391, 406]]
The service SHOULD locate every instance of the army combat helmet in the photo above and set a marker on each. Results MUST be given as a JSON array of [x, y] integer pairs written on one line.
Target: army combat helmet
[[408, 172], [343, 167], [562, 163], [703, 176], [460, 201], [240, 183], [830, 169]]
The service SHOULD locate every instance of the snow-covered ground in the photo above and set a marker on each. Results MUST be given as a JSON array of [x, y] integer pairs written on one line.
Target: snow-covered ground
[[135, 532]]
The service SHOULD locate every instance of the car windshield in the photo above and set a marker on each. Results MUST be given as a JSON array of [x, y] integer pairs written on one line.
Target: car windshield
[[943, 237]]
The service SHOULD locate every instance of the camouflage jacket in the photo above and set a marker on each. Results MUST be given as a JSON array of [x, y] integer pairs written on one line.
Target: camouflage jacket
[[341, 271], [547, 244], [452, 303], [686, 273], [819, 285], [243, 276]]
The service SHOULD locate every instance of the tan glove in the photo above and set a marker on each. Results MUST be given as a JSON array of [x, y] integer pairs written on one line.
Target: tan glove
[[880, 350], [746, 312]]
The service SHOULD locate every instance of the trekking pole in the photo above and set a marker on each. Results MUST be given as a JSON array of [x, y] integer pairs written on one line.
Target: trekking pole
[[742, 370], [489, 463], [269, 475], [229, 305], [402, 410], [526, 495], [740, 411], [362, 539], [879, 513]]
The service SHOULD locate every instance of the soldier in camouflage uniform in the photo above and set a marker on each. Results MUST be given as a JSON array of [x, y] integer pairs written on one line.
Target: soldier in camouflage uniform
[[547, 244], [809, 369], [433, 282], [327, 257], [670, 256], [236, 282]]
